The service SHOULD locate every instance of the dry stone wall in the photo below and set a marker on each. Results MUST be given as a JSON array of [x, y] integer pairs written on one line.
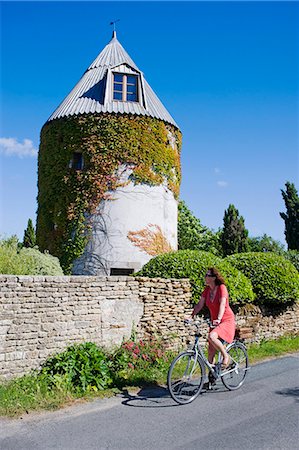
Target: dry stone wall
[[40, 316], [268, 323]]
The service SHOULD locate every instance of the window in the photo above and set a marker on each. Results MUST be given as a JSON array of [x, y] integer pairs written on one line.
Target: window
[[123, 272], [125, 87], [77, 161]]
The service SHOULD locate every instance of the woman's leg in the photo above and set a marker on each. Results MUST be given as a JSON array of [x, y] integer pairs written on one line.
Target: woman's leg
[[211, 353], [217, 344]]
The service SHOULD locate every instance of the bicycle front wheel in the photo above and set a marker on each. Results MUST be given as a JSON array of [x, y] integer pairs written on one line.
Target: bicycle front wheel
[[235, 374], [185, 377]]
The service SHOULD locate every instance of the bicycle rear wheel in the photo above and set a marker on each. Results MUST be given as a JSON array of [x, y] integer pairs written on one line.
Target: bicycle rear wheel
[[185, 377], [235, 374]]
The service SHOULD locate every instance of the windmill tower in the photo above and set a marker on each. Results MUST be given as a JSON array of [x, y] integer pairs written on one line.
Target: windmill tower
[[109, 171]]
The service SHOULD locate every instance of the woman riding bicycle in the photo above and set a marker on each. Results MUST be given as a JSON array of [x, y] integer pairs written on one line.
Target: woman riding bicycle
[[215, 297]]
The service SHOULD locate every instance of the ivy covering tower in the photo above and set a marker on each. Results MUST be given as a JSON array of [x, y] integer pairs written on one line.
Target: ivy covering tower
[[109, 171]]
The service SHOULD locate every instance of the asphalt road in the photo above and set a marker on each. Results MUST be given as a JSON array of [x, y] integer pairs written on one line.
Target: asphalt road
[[262, 414]]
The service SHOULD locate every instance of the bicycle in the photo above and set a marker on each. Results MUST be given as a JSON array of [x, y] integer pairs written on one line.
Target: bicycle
[[187, 372]]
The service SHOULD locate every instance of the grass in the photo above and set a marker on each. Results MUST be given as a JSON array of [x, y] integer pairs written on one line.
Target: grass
[[35, 392], [273, 348]]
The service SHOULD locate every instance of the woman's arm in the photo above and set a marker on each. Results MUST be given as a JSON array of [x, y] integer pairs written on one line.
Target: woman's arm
[[198, 307], [222, 303]]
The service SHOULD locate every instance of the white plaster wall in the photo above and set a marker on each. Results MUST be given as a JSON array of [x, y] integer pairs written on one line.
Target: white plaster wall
[[131, 208]]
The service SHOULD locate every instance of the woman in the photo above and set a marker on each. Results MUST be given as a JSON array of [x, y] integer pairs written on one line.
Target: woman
[[215, 296]]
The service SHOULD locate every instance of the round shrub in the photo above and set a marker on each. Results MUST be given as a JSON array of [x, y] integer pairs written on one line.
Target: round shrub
[[26, 261], [274, 279], [39, 263], [193, 264]]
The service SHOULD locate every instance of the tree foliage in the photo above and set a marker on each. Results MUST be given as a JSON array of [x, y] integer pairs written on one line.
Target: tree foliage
[[29, 239], [291, 216], [265, 243], [234, 237], [293, 256], [192, 235]]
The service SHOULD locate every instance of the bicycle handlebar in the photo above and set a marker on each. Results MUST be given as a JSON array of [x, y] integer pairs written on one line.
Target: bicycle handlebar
[[197, 322]]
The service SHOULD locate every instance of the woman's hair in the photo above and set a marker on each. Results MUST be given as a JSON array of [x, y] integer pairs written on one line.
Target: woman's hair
[[219, 278]]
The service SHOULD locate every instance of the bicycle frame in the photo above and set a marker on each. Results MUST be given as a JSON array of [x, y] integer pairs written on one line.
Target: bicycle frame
[[188, 369], [214, 369], [199, 352]]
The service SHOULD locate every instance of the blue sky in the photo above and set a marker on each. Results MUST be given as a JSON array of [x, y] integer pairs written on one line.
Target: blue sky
[[226, 71]]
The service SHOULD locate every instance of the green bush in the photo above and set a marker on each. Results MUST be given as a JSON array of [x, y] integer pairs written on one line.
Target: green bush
[[40, 263], [193, 264], [274, 279], [85, 367], [26, 261]]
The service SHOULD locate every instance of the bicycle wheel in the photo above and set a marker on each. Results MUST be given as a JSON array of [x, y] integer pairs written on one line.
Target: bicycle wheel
[[185, 377], [235, 374]]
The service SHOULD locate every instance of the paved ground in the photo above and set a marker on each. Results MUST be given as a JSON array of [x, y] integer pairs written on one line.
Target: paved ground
[[262, 415]]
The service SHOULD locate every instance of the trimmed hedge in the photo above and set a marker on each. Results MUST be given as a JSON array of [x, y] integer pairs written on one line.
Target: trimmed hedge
[[274, 278], [193, 264]]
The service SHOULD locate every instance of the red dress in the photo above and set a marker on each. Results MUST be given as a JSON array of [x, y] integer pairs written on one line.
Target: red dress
[[227, 326]]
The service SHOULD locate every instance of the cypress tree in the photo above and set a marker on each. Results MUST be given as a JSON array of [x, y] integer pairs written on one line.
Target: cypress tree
[[234, 238], [29, 239], [291, 217]]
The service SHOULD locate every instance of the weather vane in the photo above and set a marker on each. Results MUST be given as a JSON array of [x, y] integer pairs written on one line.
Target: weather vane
[[113, 23]]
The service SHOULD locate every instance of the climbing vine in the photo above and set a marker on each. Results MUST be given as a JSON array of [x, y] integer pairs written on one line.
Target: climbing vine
[[151, 240], [67, 197]]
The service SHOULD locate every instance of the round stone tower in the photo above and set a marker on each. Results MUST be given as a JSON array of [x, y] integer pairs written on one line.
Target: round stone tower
[[109, 172]]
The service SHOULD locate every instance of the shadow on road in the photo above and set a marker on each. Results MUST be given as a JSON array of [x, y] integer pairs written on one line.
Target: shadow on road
[[155, 397], [148, 397], [293, 392]]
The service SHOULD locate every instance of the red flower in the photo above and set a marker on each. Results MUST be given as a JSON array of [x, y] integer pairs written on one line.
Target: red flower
[[128, 345]]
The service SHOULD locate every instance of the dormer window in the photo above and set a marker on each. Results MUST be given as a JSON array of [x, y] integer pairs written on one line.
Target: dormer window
[[125, 87], [77, 161]]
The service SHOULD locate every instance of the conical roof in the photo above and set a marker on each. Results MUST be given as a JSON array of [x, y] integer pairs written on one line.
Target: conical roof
[[93, 92]]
